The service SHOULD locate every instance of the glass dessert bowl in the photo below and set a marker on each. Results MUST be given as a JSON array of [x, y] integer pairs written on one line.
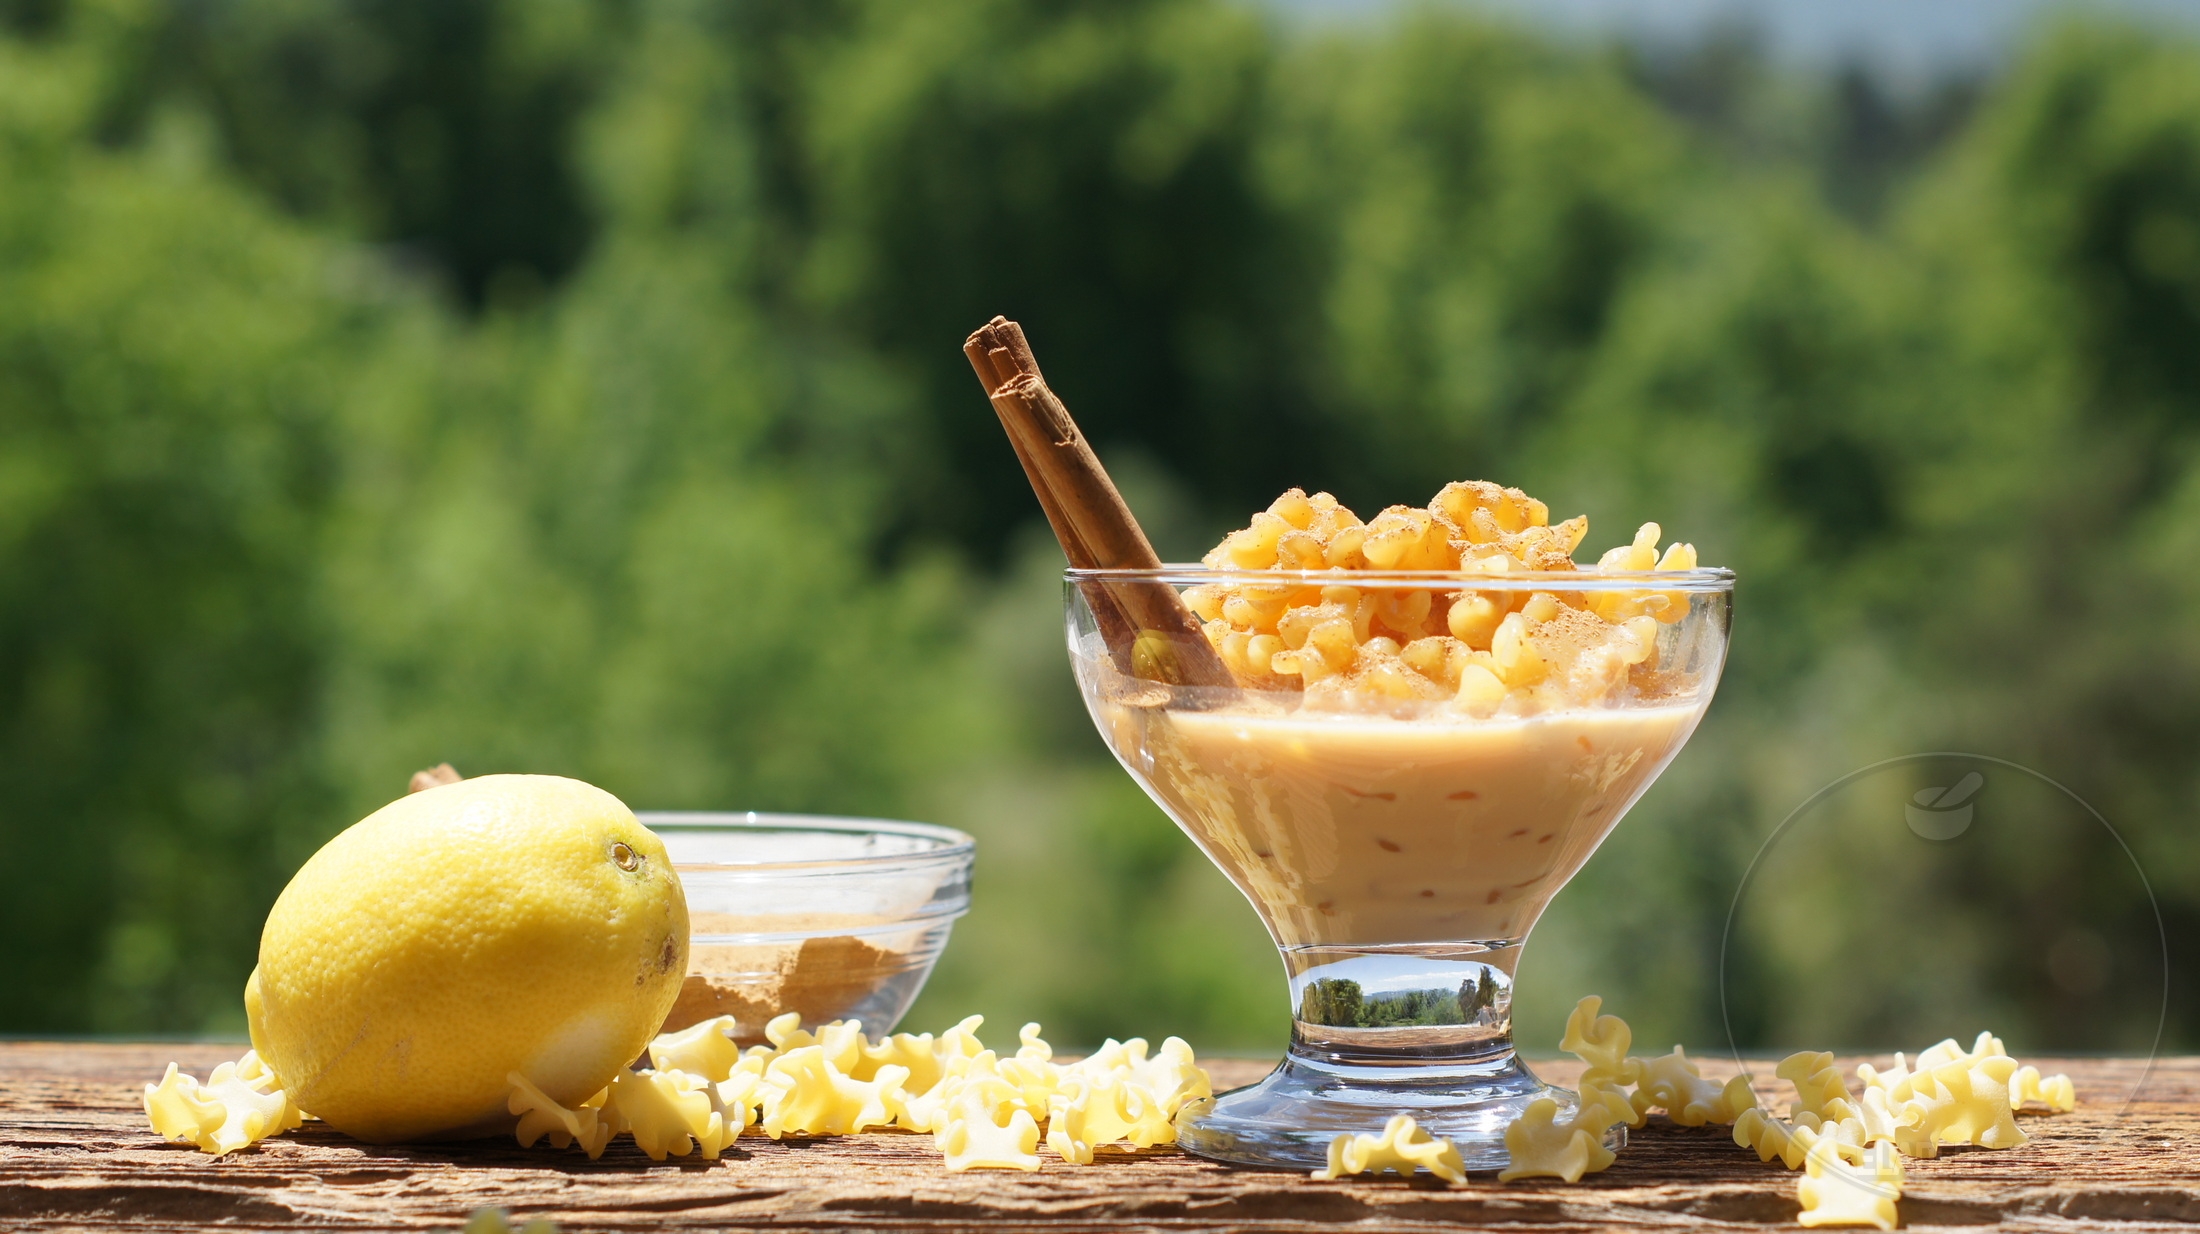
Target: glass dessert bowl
[[1398, 836], [830, 918]]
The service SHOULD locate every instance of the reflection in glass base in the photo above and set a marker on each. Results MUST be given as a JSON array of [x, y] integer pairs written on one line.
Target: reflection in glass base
[[1288, 1120], [1379, 1030]]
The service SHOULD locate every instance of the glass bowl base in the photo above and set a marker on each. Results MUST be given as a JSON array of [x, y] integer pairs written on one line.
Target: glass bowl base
[[1288, 1120]]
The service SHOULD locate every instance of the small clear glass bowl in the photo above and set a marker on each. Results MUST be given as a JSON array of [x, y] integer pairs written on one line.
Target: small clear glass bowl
[[830, 918]]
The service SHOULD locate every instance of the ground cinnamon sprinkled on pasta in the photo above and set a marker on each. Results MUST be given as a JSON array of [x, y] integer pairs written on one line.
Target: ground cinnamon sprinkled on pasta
[[1352, 644]]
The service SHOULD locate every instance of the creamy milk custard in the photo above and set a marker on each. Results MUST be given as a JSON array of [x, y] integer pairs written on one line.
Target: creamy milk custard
[[1350, 830]]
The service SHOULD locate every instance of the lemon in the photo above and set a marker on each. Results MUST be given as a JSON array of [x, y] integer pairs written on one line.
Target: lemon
[[505, 923]]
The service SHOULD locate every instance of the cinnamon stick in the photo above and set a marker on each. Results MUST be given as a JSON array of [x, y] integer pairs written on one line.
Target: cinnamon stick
[[1116, 630], [1153, 629], [993, 376]]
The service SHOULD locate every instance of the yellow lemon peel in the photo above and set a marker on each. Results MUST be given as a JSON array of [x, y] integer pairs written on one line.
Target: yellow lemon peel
[[505, 923]]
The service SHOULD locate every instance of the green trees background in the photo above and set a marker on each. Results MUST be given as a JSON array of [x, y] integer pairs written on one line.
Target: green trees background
[[573, 386]]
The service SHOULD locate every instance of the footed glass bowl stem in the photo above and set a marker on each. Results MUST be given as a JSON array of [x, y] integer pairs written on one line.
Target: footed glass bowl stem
[[1414, 1028]]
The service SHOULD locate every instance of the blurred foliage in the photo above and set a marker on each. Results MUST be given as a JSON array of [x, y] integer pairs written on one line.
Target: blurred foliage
[[573, 386]]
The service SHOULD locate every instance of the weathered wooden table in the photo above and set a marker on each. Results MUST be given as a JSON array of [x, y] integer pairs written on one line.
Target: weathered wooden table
[[75, 1154]]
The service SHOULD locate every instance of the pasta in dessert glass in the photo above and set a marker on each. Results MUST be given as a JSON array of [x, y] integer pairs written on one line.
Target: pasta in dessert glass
[[1431, 721]]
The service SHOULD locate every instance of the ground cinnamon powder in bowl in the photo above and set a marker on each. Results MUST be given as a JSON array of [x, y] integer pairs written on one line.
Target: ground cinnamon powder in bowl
[[818, 978]]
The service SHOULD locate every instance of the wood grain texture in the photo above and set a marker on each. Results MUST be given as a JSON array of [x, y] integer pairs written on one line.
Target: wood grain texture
[[75, 1154]]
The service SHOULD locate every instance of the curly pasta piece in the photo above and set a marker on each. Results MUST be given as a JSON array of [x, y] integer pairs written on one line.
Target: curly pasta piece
[[1172, 1076], [1175, 1078], [1092, 1112], [705, 1049], [977, 1076], [2056, 1092], [1946, 1051], [929, 1109], [1767, 1136], [804, 1093], [1819, 1089], [1611, 1099], [183, 1112], [1791, 1141], [1673, 1083], [840, 1042], [1833, 1192], [1402, 1147], [1873, 1078], [1067, 1132], [1735, 1097], [975, 1138], [669, 1114], [1962, 1102], [913, 1053], [1543, 1147], [960, 1042], [240, 1104], [1955, 1096], [1032, 1046], [1600, 1041], [1662, 606], [539, 1116], [1883, 1119]]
